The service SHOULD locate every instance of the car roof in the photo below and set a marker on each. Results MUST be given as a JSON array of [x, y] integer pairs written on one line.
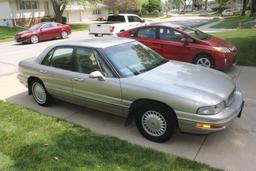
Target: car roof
[[124, 14], [166, 24], [97, 42]]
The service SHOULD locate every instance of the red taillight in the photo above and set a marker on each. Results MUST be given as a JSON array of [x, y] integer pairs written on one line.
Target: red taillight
[[112, 28]]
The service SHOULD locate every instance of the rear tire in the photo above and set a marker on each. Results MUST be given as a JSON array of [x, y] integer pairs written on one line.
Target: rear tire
[[64, 34], [40, 94], [204, 60], [156, 122]]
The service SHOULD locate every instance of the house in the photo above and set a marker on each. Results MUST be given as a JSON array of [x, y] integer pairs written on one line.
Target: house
[[29, 12], [77, 12]]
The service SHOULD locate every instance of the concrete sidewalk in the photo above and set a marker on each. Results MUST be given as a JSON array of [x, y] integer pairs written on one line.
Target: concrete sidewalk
[[231, 149]]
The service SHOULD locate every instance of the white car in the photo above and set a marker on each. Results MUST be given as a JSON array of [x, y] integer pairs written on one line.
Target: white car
[[227, 12], [116, 24]]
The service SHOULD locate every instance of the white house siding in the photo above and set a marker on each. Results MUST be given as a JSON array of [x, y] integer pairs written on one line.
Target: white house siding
[[29, 16], [5, 14], [76, 13], [11, 13]]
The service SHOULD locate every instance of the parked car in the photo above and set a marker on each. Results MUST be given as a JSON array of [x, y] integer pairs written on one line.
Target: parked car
[[126, 78], [185, 44], [227, 12], [116, 24], [43, 31]]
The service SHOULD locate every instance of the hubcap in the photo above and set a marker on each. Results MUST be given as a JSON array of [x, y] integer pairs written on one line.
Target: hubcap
[[64, 34], [39, 93], [153, 123], [204, 62], [34, 39]]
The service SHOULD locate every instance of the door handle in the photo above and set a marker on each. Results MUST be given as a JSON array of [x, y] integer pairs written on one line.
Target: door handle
[[43, 71], [78, 79]]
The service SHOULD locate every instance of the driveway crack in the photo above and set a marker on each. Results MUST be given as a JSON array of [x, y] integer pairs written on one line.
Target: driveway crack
[[200, 147]]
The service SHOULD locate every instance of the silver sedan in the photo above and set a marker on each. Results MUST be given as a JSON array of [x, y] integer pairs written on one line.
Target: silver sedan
[[126, 78]]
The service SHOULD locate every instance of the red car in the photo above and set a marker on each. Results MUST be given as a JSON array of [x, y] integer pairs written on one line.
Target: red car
[[185, 44], [43, 31]]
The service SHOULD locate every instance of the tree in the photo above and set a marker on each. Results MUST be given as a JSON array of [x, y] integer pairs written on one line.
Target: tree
[[152, 5], [244, 7], [205, 5], [123, 5], [253, 7], [60, 5], [221, 4]]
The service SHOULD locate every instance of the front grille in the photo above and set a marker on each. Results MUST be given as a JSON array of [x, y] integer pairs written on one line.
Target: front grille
[[231, 98]]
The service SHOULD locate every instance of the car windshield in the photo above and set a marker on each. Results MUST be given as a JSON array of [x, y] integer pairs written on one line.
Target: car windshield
[[196, 33], [35, 27], [133, 58]]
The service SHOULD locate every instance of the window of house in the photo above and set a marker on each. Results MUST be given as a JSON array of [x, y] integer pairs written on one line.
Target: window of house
[[29, 4]]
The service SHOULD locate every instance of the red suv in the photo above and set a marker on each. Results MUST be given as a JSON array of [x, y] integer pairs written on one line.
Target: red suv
[[185, 44]]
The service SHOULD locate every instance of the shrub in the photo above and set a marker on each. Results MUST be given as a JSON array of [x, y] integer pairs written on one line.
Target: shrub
[[155, 13], [46, 19]]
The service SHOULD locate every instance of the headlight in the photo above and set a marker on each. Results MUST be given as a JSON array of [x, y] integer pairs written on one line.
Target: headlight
[[24, 35], [211, 110], [222, 49]]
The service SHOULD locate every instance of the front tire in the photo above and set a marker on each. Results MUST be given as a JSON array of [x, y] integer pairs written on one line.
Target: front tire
[[40, 94], [156, 122], [34, 39], [204, 60]]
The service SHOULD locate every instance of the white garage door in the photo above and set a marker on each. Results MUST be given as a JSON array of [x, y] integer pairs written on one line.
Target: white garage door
[[74, 16]]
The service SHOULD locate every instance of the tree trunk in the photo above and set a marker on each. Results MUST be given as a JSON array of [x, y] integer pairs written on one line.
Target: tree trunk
[[244, 7], [205, 5], [58, 7], [252, 8]]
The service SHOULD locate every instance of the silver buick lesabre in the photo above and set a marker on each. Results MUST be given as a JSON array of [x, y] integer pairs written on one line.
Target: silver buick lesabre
[[125, 78]]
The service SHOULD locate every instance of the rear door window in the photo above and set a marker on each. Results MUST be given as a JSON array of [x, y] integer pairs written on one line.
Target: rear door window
[[149, 32], [169, 34], [61, 57]]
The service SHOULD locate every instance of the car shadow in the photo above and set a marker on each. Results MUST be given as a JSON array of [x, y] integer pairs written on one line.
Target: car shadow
[[26, 43], [181, 144]]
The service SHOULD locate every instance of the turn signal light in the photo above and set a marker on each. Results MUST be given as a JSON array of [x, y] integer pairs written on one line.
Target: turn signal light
[[199, 125]]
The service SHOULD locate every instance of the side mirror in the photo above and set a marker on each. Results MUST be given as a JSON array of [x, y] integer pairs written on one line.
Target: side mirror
[[184, 41], [143, 20], [98, 75]]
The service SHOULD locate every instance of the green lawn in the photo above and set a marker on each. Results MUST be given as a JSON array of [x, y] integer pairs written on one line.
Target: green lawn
[[79, 27], [233, 22], [7, 34], [32, 141], [245, 41]]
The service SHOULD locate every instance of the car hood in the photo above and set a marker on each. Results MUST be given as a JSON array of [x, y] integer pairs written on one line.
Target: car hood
[[24, 32], [214, 41], [193, 82]]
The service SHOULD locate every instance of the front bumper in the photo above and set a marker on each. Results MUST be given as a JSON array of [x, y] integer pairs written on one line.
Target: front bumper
[[225, 60], [22, 39], [189, 122]]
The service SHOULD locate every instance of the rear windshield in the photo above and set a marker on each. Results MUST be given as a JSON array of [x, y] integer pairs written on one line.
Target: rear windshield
[[116, 18]]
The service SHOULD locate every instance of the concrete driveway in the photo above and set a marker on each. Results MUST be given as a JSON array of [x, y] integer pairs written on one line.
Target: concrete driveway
[[231, 149]]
